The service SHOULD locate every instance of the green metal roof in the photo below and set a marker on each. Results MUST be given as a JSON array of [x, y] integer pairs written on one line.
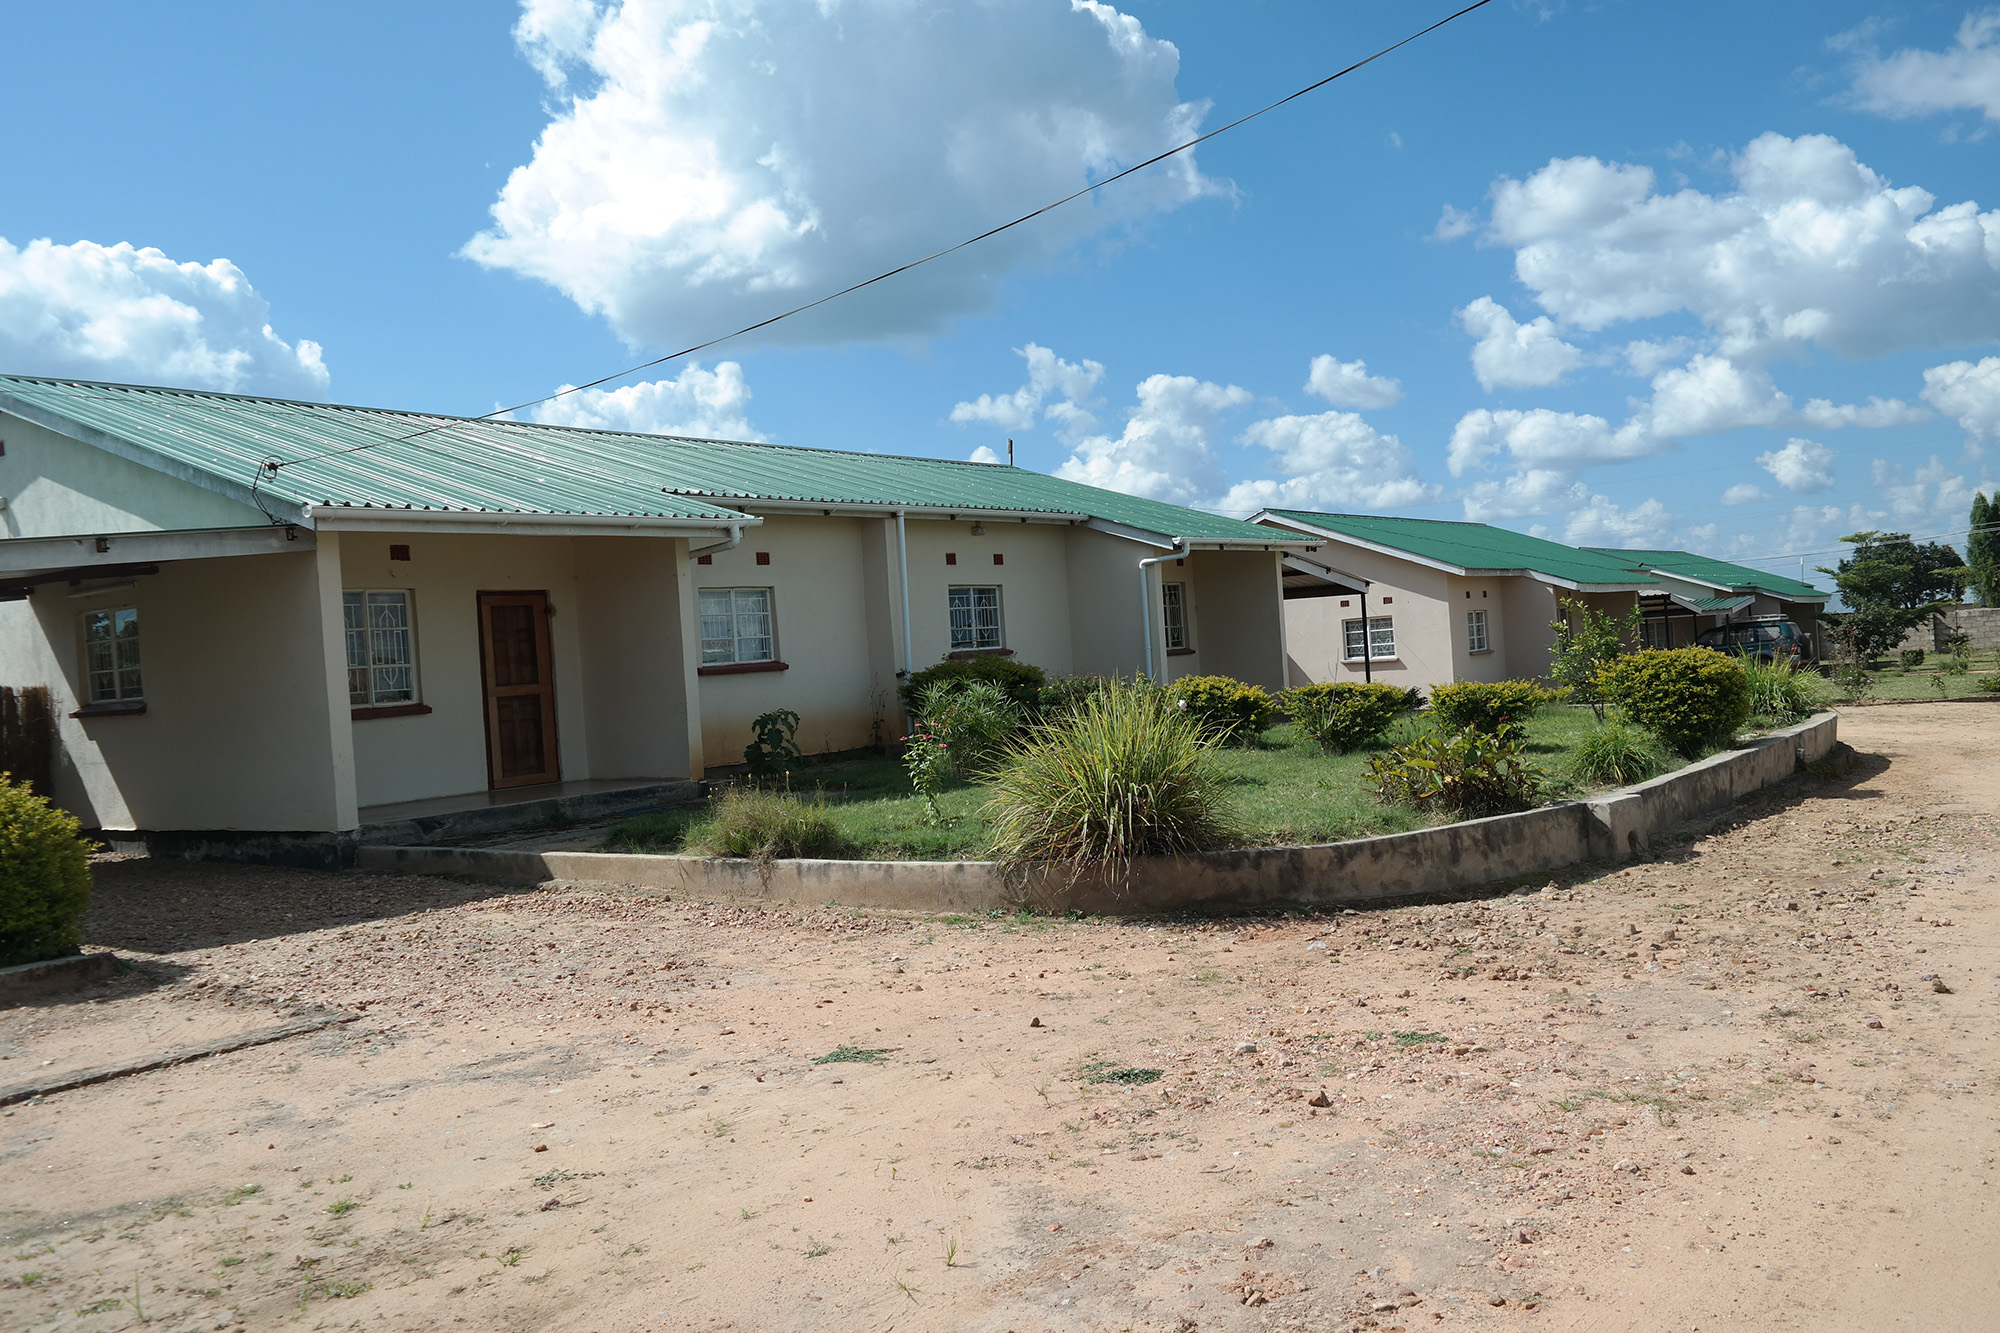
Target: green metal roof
[[484, 466], [1716, 604], [1706, 569], [1474, 547]]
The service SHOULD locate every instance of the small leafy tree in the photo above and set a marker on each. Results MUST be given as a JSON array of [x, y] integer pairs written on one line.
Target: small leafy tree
[[1890, 584], [1587, 641], [774, 751], [1982, 548]]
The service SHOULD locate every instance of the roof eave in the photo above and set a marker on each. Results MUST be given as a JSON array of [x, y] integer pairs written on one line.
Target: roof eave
[[1380, 548], [377, 518]]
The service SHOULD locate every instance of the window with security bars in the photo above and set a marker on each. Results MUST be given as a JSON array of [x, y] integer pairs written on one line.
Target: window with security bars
[[975, 618], [1173, 606], [1475, 631], [381, 647], [1377, 642], [111, 655], [736, 626]]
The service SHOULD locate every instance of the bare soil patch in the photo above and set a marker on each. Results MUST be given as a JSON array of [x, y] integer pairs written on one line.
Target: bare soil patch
[[1717, 1089]]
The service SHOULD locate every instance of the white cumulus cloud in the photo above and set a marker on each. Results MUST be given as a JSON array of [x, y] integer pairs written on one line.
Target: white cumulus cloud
[[113, 312], [1541, 439], [1801, 467], [1969, 393], [1812, 249], [1333, 460], [1599, 522], [706, 404], [1348, 384], [1063, 391], [1513, 355], [1167, 449], [1744, 493], [1963, 77], [712, 161]]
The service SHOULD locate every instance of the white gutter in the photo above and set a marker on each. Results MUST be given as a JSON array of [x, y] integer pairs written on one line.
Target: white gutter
[[903, 557], [1146, 597]]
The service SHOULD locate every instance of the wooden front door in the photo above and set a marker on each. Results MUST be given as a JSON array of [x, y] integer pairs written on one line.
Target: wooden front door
[[520, 688]]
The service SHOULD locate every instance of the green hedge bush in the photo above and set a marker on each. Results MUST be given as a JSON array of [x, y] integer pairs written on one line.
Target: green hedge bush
[[1228, 709], [1692, 698], [1484, 705], [1020, 681], [1343, 715], [44, 877]]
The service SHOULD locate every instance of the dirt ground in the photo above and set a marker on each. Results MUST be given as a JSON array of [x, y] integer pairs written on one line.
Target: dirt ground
[[1746, 1084]]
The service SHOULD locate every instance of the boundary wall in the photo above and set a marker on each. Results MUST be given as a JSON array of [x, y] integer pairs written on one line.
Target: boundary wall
[[1614, 827]]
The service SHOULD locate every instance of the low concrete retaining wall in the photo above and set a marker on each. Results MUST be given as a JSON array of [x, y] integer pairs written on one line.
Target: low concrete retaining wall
[[1613, 827], [30, 981]]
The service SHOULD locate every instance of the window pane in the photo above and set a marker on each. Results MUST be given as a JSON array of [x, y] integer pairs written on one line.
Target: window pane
[[1382, 638], [350, 608], [715, 601], [1173, 609], [718, 652]]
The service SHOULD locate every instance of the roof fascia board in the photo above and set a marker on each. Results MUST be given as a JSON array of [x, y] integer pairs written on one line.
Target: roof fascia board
[[20, 555], [1380, 548], [1689, 578], [118, 446], [1299, 564], [342, 518], [866, 509]]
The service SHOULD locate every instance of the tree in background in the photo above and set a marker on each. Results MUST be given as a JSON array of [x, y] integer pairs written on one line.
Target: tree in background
[[1890, 584], [1588, 641], [1982, 548]]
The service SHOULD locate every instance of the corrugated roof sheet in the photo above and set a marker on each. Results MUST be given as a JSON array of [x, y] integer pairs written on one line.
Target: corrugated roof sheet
[[522, 467], [1475, 546], [1716, 604], [1707, 569]]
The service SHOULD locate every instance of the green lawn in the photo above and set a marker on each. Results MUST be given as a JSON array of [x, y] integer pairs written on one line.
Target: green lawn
[[1922, 682], [1285, 792]]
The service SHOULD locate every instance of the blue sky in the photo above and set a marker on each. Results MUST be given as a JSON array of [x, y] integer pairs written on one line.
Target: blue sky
[[1716, 276]]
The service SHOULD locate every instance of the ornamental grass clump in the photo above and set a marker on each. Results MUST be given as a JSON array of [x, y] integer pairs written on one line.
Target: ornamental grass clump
[[1616, 754], [44, 877], [1692, 698], [764, 826], [1342, 715], [1128, 773], [1781, 693], [1486, 705]]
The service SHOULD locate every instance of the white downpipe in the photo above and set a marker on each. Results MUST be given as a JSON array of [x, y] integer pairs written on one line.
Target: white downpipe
[[735, 538], [1146, 596], [903, 555]]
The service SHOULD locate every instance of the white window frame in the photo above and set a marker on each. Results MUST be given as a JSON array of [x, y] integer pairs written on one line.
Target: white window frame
[[1381, 635], [1173, 616], [974, 633], [1476, 640], [747, 608], [373, 642], [126, 683]]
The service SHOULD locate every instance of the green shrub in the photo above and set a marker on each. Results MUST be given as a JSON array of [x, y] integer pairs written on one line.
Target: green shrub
[[1020, 681], [1911, 657], [969, 718], [1231, 711], [774, 749], [44, 877], [1127, 774], [764, 825], [1616, 754], [1692, 698], [1780, 692], [1484, 705], [1343, 715], [1064, 694], [1467, 774]]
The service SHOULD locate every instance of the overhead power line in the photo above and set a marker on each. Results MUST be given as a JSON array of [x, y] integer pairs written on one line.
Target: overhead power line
[[271, 466]]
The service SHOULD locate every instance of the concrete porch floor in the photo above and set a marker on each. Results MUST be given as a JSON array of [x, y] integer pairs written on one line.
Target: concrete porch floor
[[439, 820]]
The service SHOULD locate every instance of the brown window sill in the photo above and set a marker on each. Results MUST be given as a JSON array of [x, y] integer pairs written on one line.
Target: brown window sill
[[390, 710], [965, 653], [1180, 652], [741, 668], [115, 708]]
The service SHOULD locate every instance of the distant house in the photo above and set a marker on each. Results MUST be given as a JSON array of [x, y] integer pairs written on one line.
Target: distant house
[[1419, 602], [493, 607], [1697, 594]]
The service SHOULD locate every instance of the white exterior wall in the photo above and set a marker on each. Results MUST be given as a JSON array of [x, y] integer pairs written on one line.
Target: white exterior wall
[[1478, 594], [246, 703], [57, 487], [1236, 616], [1419, 599]]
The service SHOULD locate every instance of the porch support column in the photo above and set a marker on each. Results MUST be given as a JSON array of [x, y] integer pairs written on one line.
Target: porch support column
[[640, 639], [330, 688]]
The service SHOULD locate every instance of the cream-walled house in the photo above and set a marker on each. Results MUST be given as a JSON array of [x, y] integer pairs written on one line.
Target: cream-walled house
[[1698, 593], [1419, 602], [259, 614]]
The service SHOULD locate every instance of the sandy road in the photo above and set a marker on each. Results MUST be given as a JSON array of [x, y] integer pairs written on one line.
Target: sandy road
[[1650, 1099]]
